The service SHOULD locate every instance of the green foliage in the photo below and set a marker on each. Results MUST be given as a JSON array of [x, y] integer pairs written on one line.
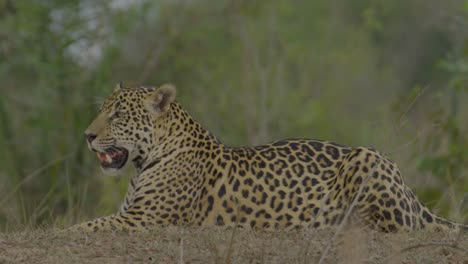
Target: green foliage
[[250, 71], [446, 154]]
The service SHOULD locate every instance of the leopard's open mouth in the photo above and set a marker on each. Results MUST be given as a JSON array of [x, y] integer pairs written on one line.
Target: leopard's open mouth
[[113, 157]]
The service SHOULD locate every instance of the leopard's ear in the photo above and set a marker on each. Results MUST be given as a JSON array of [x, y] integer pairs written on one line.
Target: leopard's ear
[[119, 86], [159, 101]]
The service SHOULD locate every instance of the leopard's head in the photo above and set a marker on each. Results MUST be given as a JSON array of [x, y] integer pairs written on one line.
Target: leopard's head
[[130, 124]]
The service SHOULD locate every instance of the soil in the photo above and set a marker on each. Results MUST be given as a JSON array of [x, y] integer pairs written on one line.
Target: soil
[[233, 245]]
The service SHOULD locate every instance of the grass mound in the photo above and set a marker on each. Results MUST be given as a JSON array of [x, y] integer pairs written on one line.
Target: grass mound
[[233, 245]]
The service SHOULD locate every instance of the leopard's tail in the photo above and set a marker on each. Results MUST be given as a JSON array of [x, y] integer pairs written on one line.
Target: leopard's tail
[[430, 220], [446, 224]]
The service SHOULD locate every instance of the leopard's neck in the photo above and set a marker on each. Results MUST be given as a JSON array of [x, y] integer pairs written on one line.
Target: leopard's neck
[[182, 134]]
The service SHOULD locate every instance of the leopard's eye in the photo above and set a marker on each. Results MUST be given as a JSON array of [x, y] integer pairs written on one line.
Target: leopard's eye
[[117, 114]]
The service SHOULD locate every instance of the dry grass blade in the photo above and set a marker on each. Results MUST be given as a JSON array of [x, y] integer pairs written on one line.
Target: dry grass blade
[[34, 174], [181, 246], [348, 213], [230, 249]]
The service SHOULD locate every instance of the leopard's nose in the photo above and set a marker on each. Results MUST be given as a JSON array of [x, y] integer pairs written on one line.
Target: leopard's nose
[[90, 137]]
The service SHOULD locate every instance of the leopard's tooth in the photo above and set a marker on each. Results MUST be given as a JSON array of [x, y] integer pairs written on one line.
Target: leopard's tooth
[[108, 158]]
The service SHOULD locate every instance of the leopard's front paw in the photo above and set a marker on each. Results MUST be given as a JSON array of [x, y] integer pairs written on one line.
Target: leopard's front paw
[[83, 227]]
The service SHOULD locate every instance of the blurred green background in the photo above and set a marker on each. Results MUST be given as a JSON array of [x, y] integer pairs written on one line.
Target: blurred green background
[[392, 75]]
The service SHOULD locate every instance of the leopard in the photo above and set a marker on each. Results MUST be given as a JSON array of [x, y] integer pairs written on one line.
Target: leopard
[[184, 175]]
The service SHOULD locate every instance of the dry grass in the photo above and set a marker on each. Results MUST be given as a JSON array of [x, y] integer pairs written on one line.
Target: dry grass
[[218, 245]]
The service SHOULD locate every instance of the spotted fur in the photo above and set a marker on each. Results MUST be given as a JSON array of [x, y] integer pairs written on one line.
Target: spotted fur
[[187, 176]]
